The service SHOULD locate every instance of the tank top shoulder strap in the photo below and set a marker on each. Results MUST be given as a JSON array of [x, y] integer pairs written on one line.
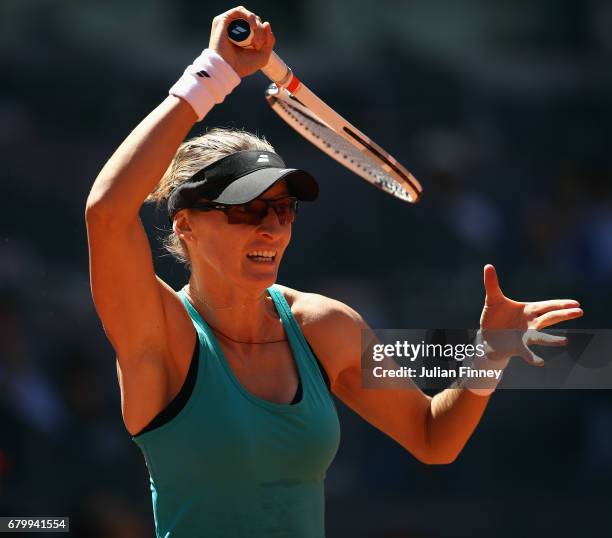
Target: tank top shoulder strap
[[289, 322]]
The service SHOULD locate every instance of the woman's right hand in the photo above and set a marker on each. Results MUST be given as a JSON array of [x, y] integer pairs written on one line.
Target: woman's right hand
[[244, 61]]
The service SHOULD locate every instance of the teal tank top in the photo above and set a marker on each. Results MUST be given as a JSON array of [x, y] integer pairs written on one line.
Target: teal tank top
[[230, 464]]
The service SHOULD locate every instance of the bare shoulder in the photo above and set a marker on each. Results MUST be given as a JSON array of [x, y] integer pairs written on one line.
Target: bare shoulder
[[313, 308], [332, 328], [318, 313]]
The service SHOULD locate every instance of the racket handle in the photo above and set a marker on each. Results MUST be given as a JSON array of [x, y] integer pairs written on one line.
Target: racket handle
[[239, 33]]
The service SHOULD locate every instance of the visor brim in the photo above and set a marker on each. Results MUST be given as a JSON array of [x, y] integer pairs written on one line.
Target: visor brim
[[250, 186]]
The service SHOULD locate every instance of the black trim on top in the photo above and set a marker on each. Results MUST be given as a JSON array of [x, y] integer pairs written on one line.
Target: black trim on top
[[180, 400], [298, 393]]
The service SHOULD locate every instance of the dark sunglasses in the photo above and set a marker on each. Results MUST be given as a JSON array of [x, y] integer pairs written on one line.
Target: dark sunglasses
[[255, 211]]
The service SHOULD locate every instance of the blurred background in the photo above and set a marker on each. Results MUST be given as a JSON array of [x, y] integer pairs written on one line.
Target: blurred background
[[501, 108]]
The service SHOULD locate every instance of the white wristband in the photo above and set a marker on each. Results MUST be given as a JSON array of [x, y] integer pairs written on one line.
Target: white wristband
[[208, 80], [474, 384]]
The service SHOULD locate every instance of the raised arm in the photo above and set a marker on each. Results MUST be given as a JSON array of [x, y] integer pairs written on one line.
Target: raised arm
[[136, 308], [123, 281]]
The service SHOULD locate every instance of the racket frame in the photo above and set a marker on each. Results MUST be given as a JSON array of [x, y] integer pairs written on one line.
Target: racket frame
[[286, 80]]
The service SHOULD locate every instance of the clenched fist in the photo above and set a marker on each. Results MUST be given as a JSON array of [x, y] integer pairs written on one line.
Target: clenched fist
[[244, 61]]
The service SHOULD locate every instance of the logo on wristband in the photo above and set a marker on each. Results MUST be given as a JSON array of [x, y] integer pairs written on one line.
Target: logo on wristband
[[203, 74]]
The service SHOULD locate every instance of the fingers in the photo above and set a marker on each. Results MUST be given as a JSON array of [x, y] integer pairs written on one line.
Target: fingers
[[238, 12], [491, 284], [541, 307], [270, 40], [532, 337], [259, 37], [259, 34], [531, 358], [254, 54], [228, 16], [544, 339], [556, 316]]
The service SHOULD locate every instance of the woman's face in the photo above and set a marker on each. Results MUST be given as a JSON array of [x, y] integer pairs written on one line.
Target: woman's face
[[245, 255]]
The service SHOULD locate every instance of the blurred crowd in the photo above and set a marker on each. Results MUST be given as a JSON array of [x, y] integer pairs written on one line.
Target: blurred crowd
[[501, 109]]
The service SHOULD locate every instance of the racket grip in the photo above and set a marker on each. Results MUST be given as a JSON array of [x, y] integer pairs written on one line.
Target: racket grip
[[239, 33]]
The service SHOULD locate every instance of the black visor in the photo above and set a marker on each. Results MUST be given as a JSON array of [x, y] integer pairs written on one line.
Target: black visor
[[239, 178]]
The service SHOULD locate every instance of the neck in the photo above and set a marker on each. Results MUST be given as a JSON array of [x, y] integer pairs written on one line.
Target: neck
[[242, 315]]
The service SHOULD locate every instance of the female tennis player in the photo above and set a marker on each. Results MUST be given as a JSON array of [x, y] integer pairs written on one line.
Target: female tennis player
[[226, 385]]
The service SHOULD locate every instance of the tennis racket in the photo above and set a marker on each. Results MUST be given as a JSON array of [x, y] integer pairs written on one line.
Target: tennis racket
[[325, 128]]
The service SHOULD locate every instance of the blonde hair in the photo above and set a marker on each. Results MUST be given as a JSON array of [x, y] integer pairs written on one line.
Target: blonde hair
[[193, 155]]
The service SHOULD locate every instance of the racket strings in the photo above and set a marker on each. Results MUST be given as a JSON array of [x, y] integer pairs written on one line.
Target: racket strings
[[312, 128]]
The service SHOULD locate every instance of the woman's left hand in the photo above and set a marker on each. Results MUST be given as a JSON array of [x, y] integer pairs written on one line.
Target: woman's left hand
[[501, 314]]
